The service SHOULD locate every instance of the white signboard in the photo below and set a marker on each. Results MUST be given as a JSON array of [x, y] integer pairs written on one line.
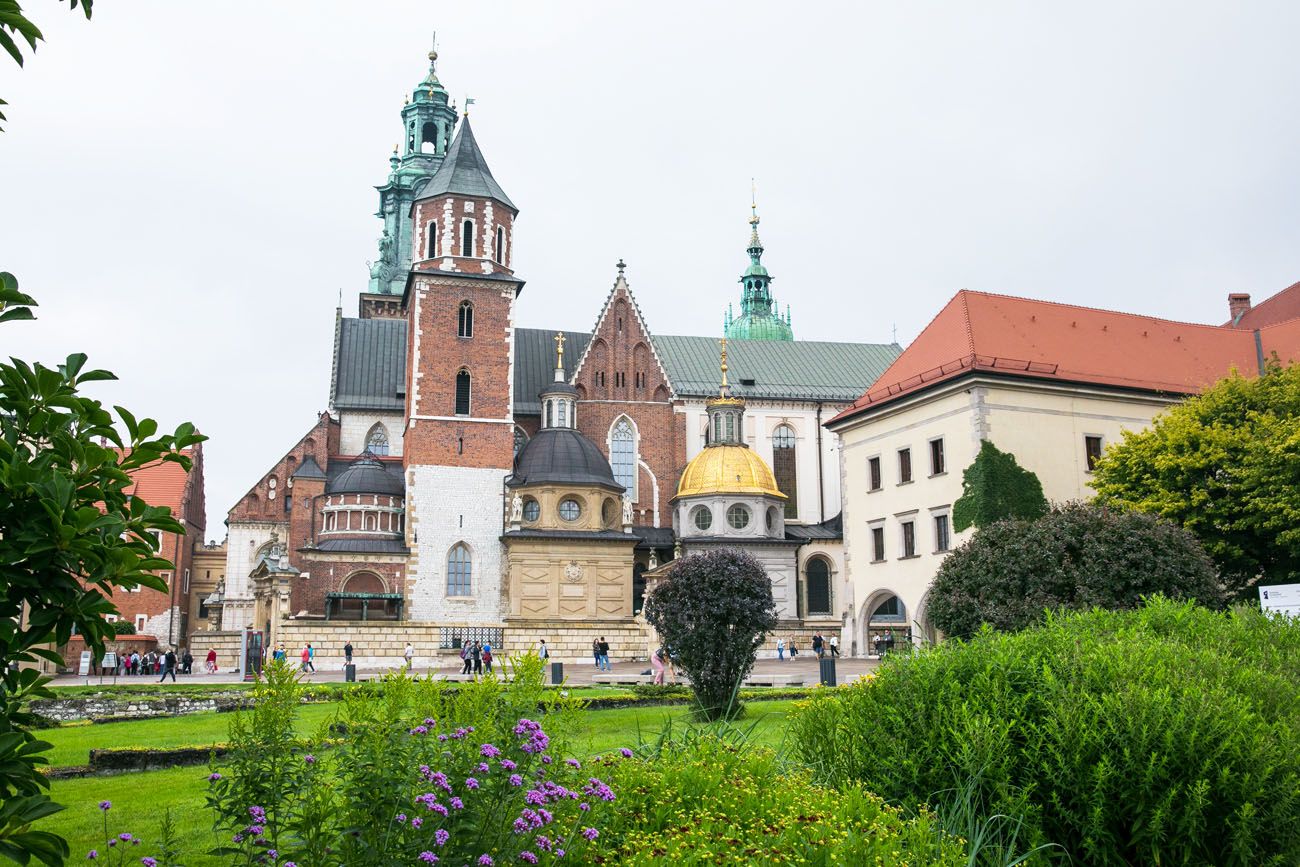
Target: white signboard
[[1283, 598], [109, 663], [83, 668]]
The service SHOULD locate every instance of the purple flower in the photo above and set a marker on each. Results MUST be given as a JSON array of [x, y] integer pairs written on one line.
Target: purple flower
[[590, 833], [440, 809], [238, 838], [105, 805], [471, 783], [420, 730], [124, 837], [213, 777], [559, 853], [507, 764], [520, 826], [626, 753], [441, 836], [309, 759], [573, 763], [546, 816], [430, 722], [290, 864], [527, 857], [428, 857], [456, 804], [485, 860], [417, 822], [258, 814], [483, 767], [532, 796], [546, 760], [543, 843], [273, 854], [489, 751], [255, 830], [516, 780], [150, 862], [442, 737], [112, 843], [92, 854], [584, 806], [401, 817]]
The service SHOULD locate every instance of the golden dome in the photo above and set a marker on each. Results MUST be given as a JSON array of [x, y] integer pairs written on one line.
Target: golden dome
[[727, 469]]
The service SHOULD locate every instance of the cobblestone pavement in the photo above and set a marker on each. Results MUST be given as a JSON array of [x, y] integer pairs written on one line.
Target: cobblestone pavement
[[577, 673]]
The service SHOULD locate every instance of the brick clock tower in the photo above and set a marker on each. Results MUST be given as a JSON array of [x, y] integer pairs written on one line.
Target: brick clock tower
[[459, 443]]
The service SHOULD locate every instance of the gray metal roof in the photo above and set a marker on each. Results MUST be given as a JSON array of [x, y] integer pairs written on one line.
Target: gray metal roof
[[465, 172], [830, 529], [363, 546], [561, 455], [535, 363], [370, 371], [340, 472], [781, 370], [309, 469]]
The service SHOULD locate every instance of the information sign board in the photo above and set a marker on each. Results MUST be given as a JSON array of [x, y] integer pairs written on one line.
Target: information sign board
[[1283, 598], [83, 668]]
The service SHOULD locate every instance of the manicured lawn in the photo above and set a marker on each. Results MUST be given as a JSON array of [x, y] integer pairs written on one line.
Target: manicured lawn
[[140, 799]]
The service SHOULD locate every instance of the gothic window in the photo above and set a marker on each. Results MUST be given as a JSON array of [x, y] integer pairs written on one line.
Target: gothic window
[[521, 439], [622, 453], [465, 320], [377, 440], [433, 240], [462, 393], [459, 570], [818, 586], [467, 238], [783, 467], [501, 246]]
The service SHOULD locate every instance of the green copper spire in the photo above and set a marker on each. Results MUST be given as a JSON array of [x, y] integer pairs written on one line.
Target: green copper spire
[[760, 318], [428, 123]]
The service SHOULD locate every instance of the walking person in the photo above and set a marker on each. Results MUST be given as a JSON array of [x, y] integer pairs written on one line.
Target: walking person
[[168, 666], [487, 658], [409, 655], [476, 653], [595, 652], [818, 645], [835, 645], [604, 652], [279, 654], [466, 657], [794, 649], [306, 656], [542, 653], [311, 657], [187, 662], [780, 649], [211, 663]]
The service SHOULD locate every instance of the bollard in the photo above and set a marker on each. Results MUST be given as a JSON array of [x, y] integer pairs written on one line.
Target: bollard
[[350, 673], [557, 673], [828, 671]]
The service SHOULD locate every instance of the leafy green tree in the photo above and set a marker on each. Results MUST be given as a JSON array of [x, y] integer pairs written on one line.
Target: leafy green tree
[[13, 22], [994, 487], [713, 612], [1078, 556], [1226, 466], [72, 533]]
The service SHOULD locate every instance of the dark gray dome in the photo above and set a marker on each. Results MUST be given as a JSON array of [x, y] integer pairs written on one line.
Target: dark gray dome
[[562, 455], [366, 475], [558, 388]]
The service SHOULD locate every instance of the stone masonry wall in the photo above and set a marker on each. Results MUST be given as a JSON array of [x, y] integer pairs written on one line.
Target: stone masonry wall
[[226, 643]]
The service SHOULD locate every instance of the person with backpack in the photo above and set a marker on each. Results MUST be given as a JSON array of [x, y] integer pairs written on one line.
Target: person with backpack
[[487, 658], [604, 652], [306, 656], [311, 656], [542, 653], [476, 654], [818, 645], [187, 662]]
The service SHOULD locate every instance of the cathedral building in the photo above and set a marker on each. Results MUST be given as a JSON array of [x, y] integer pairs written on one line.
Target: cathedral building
[[474, 478]]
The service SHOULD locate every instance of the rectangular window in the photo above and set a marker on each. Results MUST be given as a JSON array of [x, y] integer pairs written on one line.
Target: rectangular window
[[185, 587], [877, 544], [904, 466], [1092, 449], [909, 538], [941, 540], [140, 621], [873, 473], [936, 457]]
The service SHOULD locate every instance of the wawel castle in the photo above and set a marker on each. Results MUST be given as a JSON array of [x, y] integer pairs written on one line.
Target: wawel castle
[[471, 476]]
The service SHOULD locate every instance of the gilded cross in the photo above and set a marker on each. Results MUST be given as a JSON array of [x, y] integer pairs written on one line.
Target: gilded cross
[[723, 344], [559, 349]]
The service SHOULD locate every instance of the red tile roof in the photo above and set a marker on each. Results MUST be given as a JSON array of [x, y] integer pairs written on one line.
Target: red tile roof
[[162, 484], [1281, 307], [979, 331]]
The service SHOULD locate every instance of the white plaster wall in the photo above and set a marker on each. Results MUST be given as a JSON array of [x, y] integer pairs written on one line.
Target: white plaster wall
[[244, 540], [446, 505], [355, 426], [163, 625]]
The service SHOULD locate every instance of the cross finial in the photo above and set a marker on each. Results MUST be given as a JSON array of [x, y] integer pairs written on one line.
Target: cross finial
[[895, 331], [620, 266], [559, 350], [723, 344]]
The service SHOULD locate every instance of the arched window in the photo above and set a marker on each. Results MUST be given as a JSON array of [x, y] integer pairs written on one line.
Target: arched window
[[783, 467], [501, 246], [458, 570], [467, 238], [465, 320], [622, 454], [462, 393], [818, 586], [364, 582], [433, 240], [377, 440], [889, 610]]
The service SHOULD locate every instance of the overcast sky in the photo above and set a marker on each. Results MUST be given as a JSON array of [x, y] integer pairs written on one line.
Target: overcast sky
[[186, 187]]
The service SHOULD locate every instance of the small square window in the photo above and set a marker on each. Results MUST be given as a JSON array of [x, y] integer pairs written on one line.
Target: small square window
[[1092, 451]]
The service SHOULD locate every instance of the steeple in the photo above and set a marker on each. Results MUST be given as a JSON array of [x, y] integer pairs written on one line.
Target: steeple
[[760, 318], [559, 399], [428, 122], [726, 413], [465, 172]]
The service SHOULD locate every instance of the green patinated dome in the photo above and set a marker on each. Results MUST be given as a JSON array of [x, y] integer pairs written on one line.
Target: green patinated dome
[[760, 318]]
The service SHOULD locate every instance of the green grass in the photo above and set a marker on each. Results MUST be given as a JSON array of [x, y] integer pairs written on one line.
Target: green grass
[[139, 798]]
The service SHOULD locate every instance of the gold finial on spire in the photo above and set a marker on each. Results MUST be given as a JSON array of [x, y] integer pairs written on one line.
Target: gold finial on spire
[[433, 50], [725, 387], [753, 203], [559, 350]]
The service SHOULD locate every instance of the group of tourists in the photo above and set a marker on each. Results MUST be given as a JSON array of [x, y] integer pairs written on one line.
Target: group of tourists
[[600, 650], [821, 646], [882, 643], [477, 658], [151, 662]]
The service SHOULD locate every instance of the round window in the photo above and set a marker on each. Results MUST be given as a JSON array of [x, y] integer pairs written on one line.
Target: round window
[[532, 510], [738, 517], [570, 510], [703, 518]]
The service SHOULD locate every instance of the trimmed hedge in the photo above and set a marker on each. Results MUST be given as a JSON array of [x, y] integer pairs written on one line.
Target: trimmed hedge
[[1165, 735]]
